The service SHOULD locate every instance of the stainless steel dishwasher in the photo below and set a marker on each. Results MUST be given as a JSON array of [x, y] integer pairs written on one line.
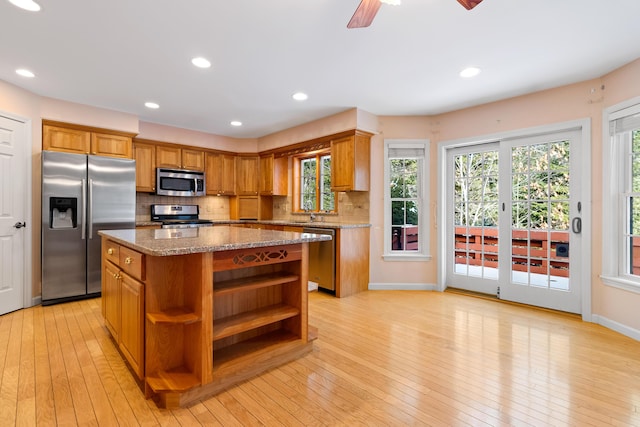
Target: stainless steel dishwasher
[[322, 259]]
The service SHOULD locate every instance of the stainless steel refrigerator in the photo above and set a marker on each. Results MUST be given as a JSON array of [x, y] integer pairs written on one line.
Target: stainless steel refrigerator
[[81, 194]]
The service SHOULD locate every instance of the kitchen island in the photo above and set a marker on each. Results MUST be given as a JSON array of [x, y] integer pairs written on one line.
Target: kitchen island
[[197, 310]]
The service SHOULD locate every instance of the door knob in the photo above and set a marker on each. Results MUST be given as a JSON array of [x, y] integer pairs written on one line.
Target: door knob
[[20, 224]]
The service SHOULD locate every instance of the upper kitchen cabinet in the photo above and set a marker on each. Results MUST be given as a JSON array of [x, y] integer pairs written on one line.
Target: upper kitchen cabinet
[[193, 159], [80, 139], [145, 155], [247, 175], [350, 159], [274, 175], [220, 172], [168, 157], [179, 158]]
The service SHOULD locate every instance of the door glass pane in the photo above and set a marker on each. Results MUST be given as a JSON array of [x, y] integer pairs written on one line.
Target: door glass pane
[[540, 215], [476, 214]]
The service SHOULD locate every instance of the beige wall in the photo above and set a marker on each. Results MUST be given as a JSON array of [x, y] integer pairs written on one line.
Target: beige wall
[[157, 132], [69, 112], [347, 120]]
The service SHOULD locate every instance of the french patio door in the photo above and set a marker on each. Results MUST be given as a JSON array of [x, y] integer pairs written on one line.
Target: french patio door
[[515, 219], [473, 202]]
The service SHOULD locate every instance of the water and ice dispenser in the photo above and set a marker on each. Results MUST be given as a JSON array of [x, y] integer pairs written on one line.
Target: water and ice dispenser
[[63, 212]]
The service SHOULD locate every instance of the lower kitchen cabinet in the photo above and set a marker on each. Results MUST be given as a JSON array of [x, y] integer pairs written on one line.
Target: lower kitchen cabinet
[[111, 299], [123, 303], [131, 337], [352, 261]]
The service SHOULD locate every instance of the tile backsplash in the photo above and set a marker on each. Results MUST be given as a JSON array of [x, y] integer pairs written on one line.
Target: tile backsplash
[[352, 207], [211, 207]]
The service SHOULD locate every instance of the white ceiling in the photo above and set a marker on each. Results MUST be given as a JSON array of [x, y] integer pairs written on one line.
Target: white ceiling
[[118, 54]]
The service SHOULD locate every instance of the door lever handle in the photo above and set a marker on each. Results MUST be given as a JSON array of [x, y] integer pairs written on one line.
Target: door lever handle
[[19, 224], [576, 225]]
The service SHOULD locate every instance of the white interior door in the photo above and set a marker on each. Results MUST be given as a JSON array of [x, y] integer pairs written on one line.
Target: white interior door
[[13, 179], [541, 219]]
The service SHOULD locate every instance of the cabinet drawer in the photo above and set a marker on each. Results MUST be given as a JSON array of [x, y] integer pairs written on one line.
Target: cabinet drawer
[[132, 263], [112, 252]]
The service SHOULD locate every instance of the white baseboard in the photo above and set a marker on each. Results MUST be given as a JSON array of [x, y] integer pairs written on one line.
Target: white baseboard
[[402, 287], [618, 327]]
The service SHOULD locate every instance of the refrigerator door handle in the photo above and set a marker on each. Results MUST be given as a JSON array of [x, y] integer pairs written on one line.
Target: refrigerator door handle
[[83, 210], [90, 210]]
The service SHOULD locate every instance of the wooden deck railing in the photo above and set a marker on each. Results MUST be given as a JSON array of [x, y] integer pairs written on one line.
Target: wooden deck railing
[[479, 246]]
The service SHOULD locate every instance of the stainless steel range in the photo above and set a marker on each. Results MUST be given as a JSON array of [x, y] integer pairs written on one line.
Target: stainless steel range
[[178, 216]]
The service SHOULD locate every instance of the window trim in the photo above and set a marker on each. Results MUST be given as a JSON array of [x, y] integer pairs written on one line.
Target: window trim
[[297, 174], [423, 254], [613, 247]]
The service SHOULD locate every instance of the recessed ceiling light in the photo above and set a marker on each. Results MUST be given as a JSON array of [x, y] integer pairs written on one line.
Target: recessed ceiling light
[[469, 72], [29, 5], [391, 2], [24, 73], [300, 96], [201, 62], [151, 105], [236, 123]]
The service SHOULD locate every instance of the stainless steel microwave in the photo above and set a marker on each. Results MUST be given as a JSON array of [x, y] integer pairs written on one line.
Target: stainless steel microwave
[[183, 183]]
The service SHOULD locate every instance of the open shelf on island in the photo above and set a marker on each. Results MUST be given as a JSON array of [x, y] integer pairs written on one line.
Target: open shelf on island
[[176, 380], [177, 315], [246, 321], [254, 282]]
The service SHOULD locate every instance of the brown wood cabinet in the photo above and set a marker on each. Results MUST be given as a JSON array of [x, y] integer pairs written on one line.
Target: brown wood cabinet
[[111, 145], [350, 159], [274, 175], [131, 338], [123, 301], [247, 175], [145, 155], [111, 299], [220, 170], [179, 158], [193, 159], [168, 157], [79, 139], [352, 261]]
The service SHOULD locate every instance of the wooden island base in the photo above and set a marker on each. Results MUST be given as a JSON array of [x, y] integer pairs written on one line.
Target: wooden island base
[[192, 325], [241, 367]]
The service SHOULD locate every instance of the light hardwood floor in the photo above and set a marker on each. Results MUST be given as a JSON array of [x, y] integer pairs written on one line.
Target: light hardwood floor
[[382, 358]]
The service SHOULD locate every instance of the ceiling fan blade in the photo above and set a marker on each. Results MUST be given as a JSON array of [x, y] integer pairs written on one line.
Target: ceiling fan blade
[[469, 4], [364, 14]]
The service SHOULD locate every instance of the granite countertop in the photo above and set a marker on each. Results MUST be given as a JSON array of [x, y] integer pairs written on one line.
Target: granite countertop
[[292, 223], [167, 242]]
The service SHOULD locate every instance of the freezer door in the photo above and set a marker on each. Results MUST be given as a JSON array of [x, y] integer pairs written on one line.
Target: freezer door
[[63, 219], [112, 205]]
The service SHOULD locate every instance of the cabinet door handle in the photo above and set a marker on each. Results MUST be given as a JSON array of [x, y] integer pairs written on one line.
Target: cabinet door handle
[[127, 260], [110, 251]]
